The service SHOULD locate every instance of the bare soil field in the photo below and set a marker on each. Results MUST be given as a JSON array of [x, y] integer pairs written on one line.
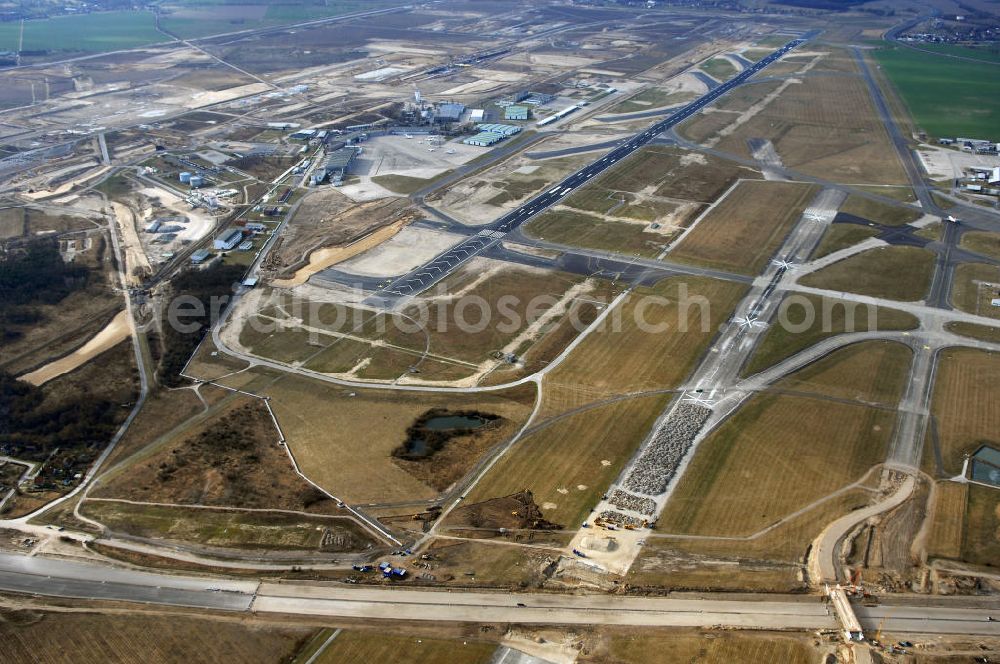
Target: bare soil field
[[568, 464], [623, 357], [832, 317], [34, 637], [343, 439], [327, 218], [744, 230], [779, 451], [964, 404], [895, 273]]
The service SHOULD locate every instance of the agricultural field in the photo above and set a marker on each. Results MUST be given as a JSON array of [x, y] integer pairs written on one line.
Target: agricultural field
[[894, 273], [377, 646], [974, 287], [832, 317], [34, 637], [85, 33], [965, 394], [344, 439], [191, 19], [947, 97], [568, 463], [623, 357], [744, 230]]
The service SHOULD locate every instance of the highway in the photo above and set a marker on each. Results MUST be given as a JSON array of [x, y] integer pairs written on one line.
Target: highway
[[93, 581], [437, 268]]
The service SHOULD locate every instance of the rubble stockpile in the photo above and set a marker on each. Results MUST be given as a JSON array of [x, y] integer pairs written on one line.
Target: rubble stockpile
[[620, 519], [627, 501], [653, 470]]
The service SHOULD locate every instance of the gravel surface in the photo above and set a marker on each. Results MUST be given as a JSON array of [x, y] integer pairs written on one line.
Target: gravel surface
[[627, 501], [653, 470]]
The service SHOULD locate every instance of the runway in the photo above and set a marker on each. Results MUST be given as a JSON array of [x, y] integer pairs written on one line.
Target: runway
[[436, 269]]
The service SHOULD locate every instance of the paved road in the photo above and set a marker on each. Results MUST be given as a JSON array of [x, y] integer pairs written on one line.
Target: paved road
[[60, 578], [430, 273]]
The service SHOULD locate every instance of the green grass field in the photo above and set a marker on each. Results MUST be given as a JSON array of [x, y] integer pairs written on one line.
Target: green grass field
[[946, 96], [90, 33], [986, 54]]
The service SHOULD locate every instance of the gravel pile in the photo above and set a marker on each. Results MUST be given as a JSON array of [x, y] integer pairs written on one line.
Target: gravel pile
[[620, 519], [626, 501], [658, 464]]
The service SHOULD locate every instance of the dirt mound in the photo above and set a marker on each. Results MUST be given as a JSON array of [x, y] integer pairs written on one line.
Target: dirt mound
[[516, 511]]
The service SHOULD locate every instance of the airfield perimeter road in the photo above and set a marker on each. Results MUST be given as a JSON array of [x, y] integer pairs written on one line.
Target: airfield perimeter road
[[82, 580], [437, 268]]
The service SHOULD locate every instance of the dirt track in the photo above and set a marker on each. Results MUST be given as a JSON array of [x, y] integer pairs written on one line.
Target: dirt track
[[113, 333]]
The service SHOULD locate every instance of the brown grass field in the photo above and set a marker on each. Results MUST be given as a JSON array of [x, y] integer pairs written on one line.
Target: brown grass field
[[894, 273], [31, 637], [579, 229], [974, 331], [945, 537], [572, 461], [372, 647], [841, 236], [964, 404], [982, 242], [716, 648], [343, 439], [232, 458], [981, 539], [228, 529], [832, 317], [825, 126], [782, 452], [746, 228], [623, 358], [878, 212], [870, 372], [974, 286]]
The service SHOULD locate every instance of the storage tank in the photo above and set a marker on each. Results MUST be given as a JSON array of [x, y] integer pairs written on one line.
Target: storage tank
[[185, 177], [196, 181]]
